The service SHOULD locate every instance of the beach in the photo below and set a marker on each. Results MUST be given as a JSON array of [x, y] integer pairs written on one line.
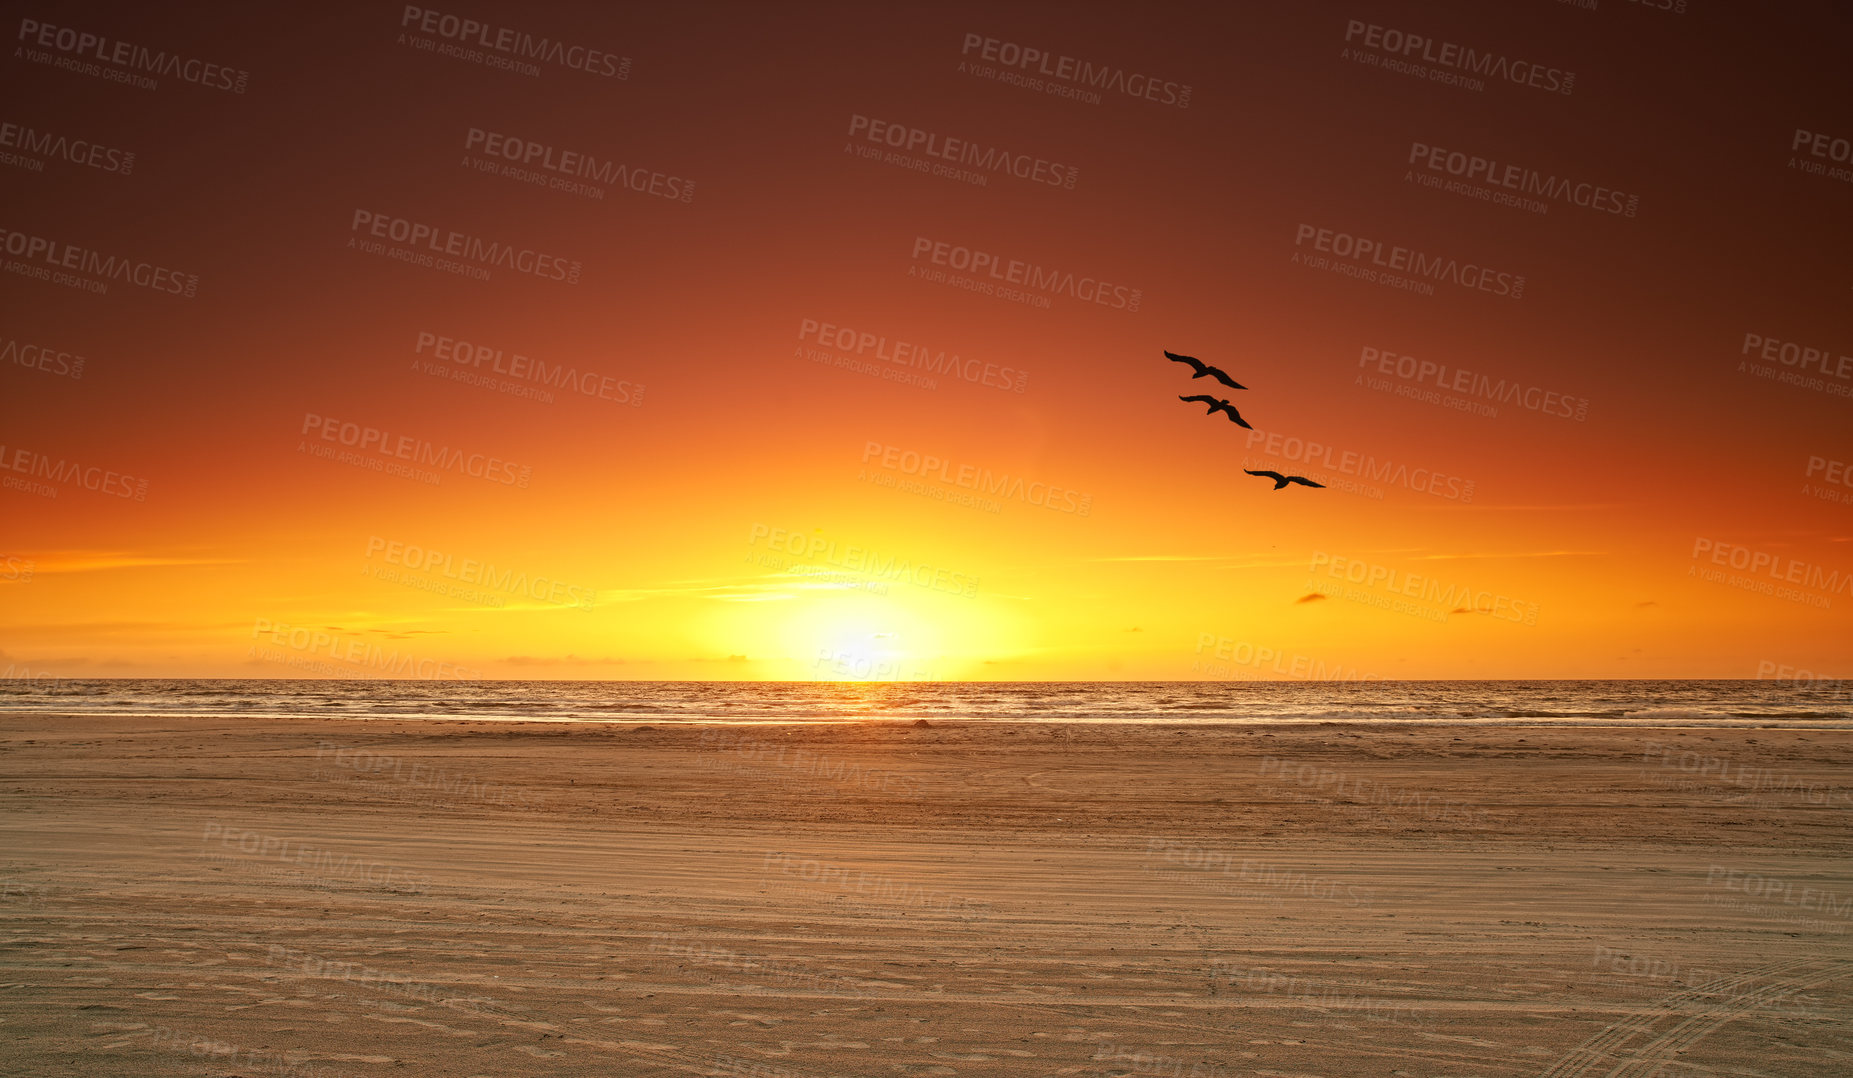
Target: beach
[[267, 896]]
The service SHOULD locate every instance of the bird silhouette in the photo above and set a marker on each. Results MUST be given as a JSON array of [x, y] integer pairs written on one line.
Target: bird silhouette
[[1204, 370], [1282, 480], [1218, 405]]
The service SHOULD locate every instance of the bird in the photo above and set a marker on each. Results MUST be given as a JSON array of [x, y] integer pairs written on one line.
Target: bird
[[1205, 370], [1218, 405], [1282, 480]]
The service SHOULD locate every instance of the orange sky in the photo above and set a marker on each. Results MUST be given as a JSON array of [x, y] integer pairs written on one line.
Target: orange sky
[[724, 500]]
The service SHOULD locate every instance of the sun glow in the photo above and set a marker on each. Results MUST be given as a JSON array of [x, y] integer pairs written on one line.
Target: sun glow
[[857, 634]]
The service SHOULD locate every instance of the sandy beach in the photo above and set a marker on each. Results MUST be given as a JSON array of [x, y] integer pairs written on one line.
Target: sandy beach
[[311, 897]]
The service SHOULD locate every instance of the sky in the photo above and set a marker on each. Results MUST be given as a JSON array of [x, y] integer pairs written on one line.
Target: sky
[[826, 341]]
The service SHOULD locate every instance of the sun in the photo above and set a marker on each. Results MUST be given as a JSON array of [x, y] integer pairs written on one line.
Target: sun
[[865, 630], [874, 640]]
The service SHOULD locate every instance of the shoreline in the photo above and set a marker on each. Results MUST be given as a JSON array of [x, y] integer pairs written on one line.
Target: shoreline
[[1593, 723]]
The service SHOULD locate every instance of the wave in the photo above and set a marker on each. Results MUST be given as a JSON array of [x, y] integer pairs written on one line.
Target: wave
[[1510, 702]]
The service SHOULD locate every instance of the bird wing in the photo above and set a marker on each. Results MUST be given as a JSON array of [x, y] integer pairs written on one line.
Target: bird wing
[[1236, 417], [1223, 376], [1201, 398], [1267, 474], [1305, 482], [1195, 363]]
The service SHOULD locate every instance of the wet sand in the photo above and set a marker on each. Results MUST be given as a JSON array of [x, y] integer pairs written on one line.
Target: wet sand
[[319, 897]]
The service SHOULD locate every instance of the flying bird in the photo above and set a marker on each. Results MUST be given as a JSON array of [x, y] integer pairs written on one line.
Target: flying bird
[[1204, 370], [1217, 405], [1282, 480]]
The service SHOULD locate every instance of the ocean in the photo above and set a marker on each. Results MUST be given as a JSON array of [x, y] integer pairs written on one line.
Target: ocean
[[1810, 704]]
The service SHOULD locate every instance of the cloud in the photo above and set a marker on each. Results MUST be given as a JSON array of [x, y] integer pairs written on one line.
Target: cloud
[[25, 666], [76, 628], [1528, 508], [768, 588], [1162, 557], [91, 561], [700, 587], [1512, 554], [1227, 561]]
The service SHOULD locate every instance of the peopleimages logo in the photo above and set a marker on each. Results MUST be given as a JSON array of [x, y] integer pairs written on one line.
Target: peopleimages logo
[[515, 44], [134, 61], [461, 356], [1779, 568], [479, 573], [1225, 653], [1349, 462], [849, 342], [536, 158], [37, 465], [988, 160], [1838, 476], [1781, 892], [1520, 180], [1044, 71], [1408, 260], [461, 245], [813, 546], [1824, 146], [1028, 274], [872, 889], [43, 357], [1445, 595], [912, 463], [65, 256], [317, 862], [1801, 357], [1411, 48], [1291, 881], [346, 654], [47, 144], [1473, 385], [1718, 771], [407, 447], [416, 775]]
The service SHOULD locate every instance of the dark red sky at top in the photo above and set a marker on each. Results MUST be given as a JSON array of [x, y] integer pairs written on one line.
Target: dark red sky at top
[[1296, 122]]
